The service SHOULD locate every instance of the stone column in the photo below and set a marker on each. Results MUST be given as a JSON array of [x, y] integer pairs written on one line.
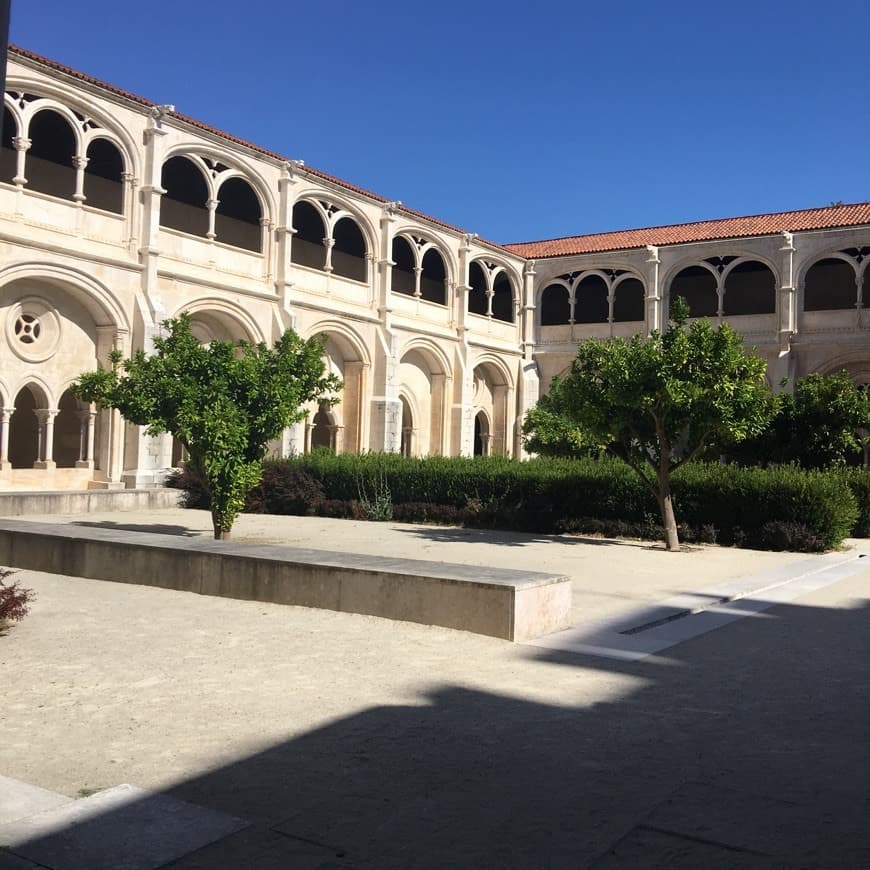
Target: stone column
[[418, 271], [211, 205], [21, 145], [329, 244], [654, 313], [5, 418], [80, 163], [86, 441], [45, 447]]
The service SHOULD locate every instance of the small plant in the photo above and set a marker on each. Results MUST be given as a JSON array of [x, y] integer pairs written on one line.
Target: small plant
[[14, 601], [377, 503]]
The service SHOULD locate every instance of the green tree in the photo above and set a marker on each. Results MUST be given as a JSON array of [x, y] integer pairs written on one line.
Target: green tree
[[658, 402], [821, 425], [223, 401]]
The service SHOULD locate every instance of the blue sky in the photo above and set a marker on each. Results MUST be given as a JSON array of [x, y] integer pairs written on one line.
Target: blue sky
[[518, 122]]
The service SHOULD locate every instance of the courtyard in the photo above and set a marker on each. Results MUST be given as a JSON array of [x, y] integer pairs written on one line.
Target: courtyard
[[349, 741]]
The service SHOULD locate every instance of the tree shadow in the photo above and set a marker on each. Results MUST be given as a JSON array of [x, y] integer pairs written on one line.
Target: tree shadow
[[152, 528], [457, 534], [747, 750]]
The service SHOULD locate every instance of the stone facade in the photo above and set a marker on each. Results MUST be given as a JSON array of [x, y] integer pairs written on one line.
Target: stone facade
[[116, 214]]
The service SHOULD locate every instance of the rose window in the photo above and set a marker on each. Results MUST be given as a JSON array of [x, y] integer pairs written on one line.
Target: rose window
[[27, 328]]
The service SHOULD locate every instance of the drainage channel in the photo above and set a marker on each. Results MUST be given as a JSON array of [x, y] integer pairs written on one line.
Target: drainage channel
[[719, 602], [609, 638]]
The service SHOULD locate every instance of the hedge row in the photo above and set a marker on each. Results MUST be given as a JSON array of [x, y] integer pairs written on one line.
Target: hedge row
[[776, 508]]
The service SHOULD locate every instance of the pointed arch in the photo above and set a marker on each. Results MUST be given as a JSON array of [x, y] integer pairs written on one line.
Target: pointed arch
[[238, 214], [104, 176], [49, 163], [433, 278], [309, 225], [699, 286], [349, 251], [183, 206], [403, 275], [230, 318]]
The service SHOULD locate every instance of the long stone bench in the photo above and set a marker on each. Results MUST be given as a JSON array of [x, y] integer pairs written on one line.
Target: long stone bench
[[514, 605]]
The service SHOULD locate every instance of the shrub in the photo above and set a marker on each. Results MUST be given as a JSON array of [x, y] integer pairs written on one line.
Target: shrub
[[809, 510], [195, 490], [14, 601], [858, 481], [284, 490]]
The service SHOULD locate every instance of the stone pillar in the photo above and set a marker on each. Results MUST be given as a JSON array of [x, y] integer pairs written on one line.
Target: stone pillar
[[329, 244], [211, 205], [266, 246], [782, 368], [418, 271], [5, 418], [80, 164], [45, 447], [21, 145], [86, 440], [654, 303]]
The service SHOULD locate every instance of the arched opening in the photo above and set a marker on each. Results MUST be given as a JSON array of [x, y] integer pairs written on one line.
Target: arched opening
[[237, 216], [8, 154], [555, 305], [628, 301], [67, 432], [307, 246], [477, 301], [830, 286], [24, 431], [432, 279], [697, 286], [503, 298], [481, 435], [104, 185], [750, 288], [322, 429], [349, 251], [406, 441], [49, 162], [590, 300], [493, 403], [404, 278], [183, 206]]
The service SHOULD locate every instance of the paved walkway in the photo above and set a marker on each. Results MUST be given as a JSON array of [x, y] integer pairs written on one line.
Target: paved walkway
[[354, 742]]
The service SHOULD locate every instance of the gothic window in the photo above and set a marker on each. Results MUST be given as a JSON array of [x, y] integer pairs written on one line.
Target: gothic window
[[307, 246], [628, 301], [432, 279], [183, 206], [555, 305], [237, 216], [104, 184], [404, 280], [750, 288], [349, 250], [49, 161], [697, 285], [477, 299], [590, 300], [830, 286]]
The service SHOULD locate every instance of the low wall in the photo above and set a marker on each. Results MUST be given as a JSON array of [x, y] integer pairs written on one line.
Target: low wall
[[514, 605], [83, 501]]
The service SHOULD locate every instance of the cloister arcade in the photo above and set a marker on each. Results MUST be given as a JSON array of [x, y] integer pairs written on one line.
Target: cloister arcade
[[116, 214]]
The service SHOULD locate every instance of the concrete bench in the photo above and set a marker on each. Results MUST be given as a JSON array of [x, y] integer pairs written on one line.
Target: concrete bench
[[514, 605]]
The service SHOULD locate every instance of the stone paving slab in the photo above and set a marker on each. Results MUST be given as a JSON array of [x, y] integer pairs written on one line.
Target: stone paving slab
[[122, 828], [20, 799]]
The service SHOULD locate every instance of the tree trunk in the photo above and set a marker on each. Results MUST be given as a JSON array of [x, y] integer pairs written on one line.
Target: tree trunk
[[220, 533], [666, 504]]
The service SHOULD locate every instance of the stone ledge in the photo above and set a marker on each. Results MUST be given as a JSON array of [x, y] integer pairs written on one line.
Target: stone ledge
[[81, 501], [509, 604]]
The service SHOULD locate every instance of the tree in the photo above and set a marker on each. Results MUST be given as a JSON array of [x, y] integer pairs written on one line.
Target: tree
[[658, 402], [820, 426], [223, 401]]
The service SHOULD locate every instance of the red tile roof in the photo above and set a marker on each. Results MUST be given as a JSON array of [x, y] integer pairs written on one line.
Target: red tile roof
[[828, 217], [66, 70]]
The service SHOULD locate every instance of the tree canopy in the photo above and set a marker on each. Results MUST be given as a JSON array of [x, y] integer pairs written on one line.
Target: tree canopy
[[657, 402], [223, 401], [822, 425]]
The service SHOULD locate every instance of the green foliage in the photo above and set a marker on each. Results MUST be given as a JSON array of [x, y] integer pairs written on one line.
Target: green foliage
[[659, 402], [223, 401], [858, 481], [783, 507]]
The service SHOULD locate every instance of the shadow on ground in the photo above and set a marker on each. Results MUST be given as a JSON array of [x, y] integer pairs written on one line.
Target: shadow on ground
[[152, 528], [744, 748], [454, 534]]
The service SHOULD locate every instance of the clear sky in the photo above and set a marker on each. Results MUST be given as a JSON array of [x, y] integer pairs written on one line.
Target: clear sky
[[515, 121]]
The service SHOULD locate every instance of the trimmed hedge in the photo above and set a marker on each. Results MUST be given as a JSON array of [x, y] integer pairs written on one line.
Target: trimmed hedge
[[776, 508]]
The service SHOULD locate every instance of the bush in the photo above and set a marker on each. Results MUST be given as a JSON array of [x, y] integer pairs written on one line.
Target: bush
[[858, 481], [14, 601], [196, 493], [283, 490], [775, 508]]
